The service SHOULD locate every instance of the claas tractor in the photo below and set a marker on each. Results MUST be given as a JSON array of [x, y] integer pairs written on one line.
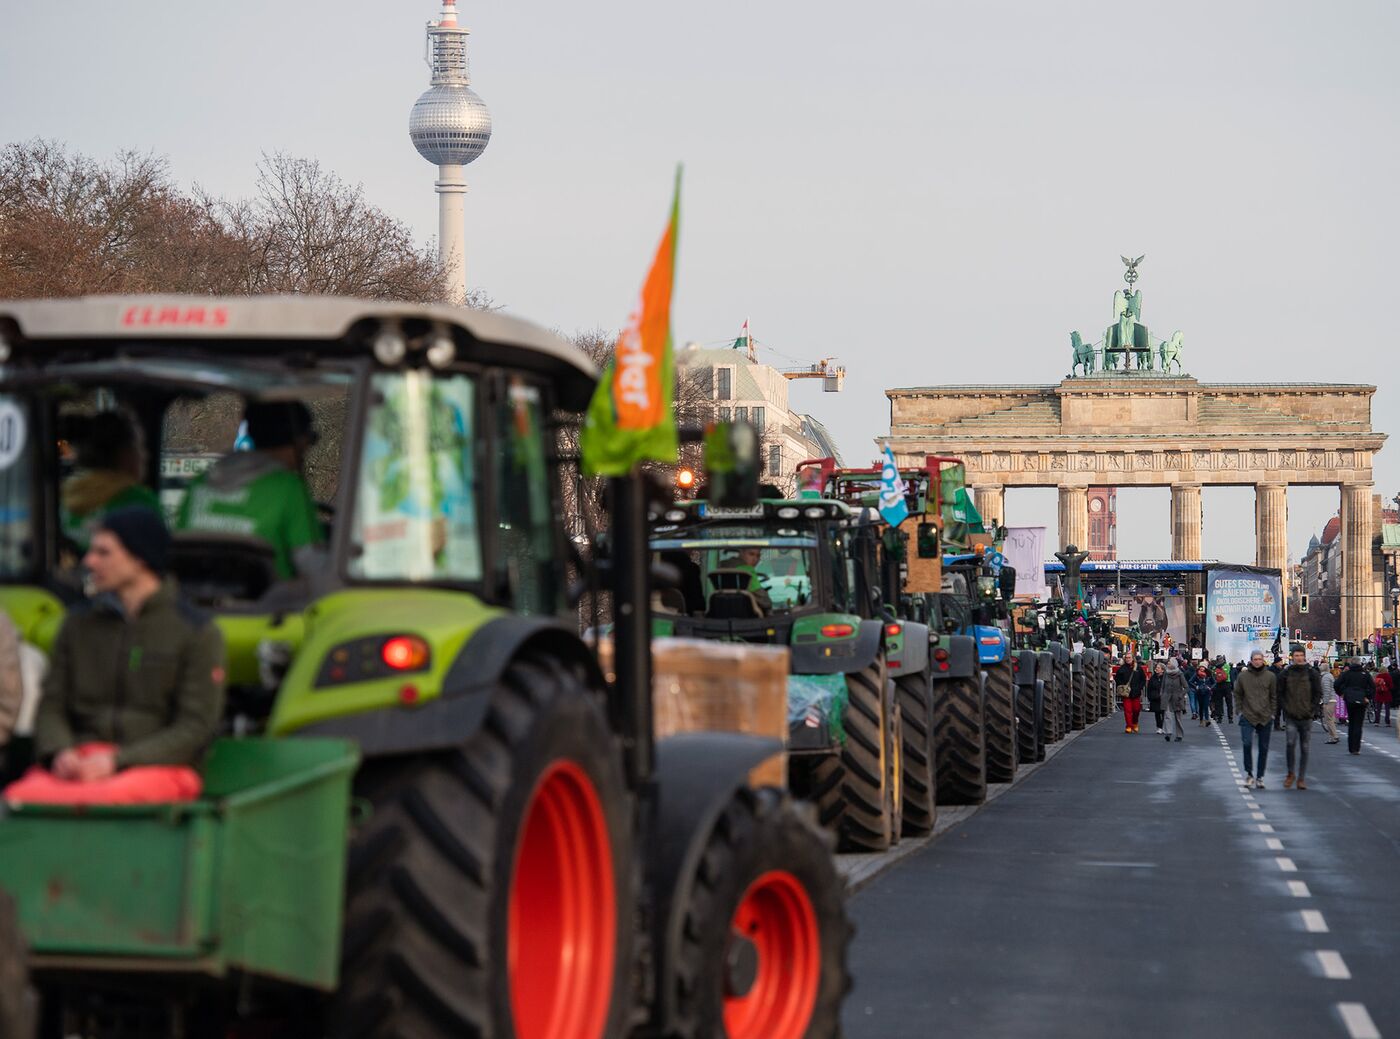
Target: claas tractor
[[429, 813], [801, 573]]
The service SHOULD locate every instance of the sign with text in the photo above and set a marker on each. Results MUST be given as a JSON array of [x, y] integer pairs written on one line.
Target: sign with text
[[1025, 550], [1244, 608]]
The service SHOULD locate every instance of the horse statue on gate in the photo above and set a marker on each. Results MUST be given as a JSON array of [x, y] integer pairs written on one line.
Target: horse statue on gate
[[1170, 351], [1084, 354]]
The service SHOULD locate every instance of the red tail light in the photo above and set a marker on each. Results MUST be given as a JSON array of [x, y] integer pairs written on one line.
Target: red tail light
[[893, 629], [940, 655], [404, 653], [837, 631]]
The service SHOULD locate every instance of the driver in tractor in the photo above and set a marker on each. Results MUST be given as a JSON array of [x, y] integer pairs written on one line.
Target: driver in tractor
[[261, 493], [744, 562], [135, 687]]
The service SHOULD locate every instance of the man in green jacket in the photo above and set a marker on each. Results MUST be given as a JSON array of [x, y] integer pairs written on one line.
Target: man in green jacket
[[1301, 696], [135, 688], [1256, 697]]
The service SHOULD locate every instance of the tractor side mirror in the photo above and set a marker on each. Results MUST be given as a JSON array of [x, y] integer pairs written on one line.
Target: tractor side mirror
[[1007, 583], [731, 465]]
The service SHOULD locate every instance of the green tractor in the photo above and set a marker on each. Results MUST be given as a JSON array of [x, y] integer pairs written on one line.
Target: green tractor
[[802, 573], [430, 813]]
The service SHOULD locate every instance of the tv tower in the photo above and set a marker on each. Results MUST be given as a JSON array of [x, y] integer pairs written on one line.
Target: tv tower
[[450, 126]]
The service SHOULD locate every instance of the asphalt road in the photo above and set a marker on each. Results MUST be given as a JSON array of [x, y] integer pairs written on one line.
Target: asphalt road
[[1133, 888]]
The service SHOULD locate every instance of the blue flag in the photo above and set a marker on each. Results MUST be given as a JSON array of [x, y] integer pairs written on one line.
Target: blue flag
[[893, 510]]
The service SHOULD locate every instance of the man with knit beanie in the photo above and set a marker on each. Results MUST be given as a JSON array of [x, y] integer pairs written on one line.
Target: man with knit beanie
[[135, 687]]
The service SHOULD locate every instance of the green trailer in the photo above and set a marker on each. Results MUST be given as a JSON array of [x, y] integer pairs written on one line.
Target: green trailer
[[250, 877]]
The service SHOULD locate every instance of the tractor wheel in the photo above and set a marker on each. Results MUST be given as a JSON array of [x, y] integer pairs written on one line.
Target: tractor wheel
[[1053, 713], [19, 1004], [1078, 689], [1027, 726], [1001, 724], [763, 946], [959, 746], [491, 891], [916, 719], [852, 787], [1040, 708]]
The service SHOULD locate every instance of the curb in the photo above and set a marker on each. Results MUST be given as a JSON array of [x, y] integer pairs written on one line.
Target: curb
[[861, 868]]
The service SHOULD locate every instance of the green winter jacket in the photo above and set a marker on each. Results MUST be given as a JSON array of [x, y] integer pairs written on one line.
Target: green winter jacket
[[152, 684], [1256, 695], [1301, 691]]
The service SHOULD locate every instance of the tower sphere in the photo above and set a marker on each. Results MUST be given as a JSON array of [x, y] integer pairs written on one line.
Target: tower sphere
[[450, 124]]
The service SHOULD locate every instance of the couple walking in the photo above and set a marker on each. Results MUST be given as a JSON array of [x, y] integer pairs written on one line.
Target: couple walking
[[1166, 690], [1259, 694]]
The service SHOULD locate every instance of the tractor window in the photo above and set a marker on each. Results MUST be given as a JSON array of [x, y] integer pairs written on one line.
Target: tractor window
[[17, 448], [775, 573], [416, 495], [525, 551]]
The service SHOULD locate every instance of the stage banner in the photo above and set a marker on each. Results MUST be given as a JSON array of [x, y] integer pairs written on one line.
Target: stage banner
[[1025, 550], [1244, 608], [1155, 614]]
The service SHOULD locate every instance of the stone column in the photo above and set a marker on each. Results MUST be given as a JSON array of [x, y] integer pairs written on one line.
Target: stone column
[[1358, 606], [1074, 517], [1271, 526], [991, 503], [1186, 521]]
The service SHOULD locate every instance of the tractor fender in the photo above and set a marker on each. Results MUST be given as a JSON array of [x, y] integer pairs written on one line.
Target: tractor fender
[[992, 644], [456, 714], [1061, 652], [914, 657], [1076, 662], [1045, 665], [1026, 667], [696, 775], [846, 655], [962, 657]]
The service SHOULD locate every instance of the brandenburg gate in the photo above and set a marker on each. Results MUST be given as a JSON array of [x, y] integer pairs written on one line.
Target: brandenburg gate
[[1131, 418]]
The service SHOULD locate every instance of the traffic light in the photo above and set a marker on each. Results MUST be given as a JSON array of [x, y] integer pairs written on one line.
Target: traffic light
[[1200, 603], [685, 481], [1297, 634], [1303, 603]]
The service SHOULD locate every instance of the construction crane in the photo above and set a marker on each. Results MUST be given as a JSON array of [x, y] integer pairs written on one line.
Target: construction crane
[[833, 376]]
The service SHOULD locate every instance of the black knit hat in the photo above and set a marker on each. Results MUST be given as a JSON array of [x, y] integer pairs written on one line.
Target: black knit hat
[[278, 424], [143, 533]]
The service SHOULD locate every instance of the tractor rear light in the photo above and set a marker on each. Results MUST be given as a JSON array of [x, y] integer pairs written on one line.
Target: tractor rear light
[[408, 695], [1015, 665], [893, 629], [943, 666], [404, 653], [940, 655], [838, 631], [896, 663]]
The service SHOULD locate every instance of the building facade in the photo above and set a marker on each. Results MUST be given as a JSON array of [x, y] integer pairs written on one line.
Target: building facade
[[1103, 523]]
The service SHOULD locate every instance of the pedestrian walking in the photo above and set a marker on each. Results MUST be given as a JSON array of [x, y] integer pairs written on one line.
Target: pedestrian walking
[[1175, 691], [1130, 679], [1329, 702], [1357, 689], [1300, 690], [1223, 697], [1385, 691], [1277, 668], [1256, 696], [1154, 693], [1202, 688]]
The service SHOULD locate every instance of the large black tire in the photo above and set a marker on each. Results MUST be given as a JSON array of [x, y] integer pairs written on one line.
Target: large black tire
[[1050, 708], [19, 1005], [853, 787], [432, 879], [1064, 689], [1027, 726], [1091, 692], [1078, 688], [762, 844], [1001, 724], [959, 741], [918, 785]]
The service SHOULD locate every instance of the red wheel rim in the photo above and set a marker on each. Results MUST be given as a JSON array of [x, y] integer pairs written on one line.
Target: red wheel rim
[[562, 938], [776, 915]]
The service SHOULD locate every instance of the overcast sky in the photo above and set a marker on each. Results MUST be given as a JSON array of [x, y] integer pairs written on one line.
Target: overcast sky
[[931, 192]]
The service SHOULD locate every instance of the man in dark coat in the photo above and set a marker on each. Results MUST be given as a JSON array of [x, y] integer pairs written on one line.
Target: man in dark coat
[[1358, 690], [1300, 695]]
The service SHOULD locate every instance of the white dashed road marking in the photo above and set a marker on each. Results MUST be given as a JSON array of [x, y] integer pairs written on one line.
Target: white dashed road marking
[[1257, 815], [1313, 922], [1358, 1022], [1298, 889], [1332, 964], [1273, 844], [1265, 828], [1286, 864]]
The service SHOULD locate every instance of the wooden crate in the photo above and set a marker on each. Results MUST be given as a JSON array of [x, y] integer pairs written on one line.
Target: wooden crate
[[704, 686]]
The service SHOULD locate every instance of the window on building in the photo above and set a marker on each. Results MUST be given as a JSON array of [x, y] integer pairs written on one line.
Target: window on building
[[757, 418], [775, 459], [741, 414], [724, 383], [724, 414]]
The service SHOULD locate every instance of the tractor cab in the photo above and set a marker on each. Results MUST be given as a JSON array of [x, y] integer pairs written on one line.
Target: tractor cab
[[406, 450]]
